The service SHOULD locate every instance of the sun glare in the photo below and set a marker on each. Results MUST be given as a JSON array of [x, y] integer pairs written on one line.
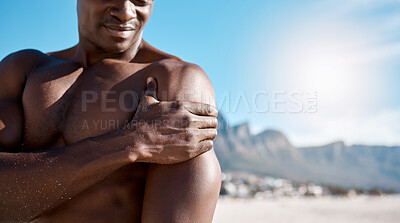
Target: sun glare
[[323, 60]]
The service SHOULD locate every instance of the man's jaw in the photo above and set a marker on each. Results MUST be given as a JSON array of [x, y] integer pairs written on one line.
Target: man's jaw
[[89, 53]]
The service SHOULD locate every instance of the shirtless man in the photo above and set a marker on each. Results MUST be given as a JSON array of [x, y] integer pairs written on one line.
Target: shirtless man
[[150, 161]]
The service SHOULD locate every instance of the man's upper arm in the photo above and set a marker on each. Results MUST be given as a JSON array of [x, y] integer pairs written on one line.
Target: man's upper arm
[[12, 80], [186, 191], [188, 82]]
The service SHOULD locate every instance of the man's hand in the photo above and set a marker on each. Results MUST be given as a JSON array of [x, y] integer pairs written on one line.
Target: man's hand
[[172, 131]]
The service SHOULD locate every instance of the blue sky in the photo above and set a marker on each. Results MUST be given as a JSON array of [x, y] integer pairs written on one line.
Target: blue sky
[[318, 70]]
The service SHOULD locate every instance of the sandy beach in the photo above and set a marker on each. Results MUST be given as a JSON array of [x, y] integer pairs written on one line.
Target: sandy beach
[[360, 209]]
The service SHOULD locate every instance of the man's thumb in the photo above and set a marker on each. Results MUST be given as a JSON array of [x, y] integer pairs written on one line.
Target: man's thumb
[[150, 95]]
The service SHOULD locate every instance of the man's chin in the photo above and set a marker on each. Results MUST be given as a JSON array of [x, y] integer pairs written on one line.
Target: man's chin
[[117, 47]]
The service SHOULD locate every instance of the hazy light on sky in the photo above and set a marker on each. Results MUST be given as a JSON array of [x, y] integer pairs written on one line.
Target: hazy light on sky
[[347, 53]]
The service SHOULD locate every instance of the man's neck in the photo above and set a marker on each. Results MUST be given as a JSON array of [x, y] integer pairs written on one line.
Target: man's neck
[[88, 57]]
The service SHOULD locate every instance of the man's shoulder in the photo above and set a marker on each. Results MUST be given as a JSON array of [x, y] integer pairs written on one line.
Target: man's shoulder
[[23, 60], [30, 55], [170, 64], [186, 81], [182, 72], [180, 79], [179, 67]]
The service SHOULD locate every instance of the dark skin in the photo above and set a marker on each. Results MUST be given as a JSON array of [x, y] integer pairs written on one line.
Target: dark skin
[[88, 159]]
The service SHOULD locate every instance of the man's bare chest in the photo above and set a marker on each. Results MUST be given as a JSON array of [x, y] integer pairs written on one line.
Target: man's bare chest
[[65, 103]]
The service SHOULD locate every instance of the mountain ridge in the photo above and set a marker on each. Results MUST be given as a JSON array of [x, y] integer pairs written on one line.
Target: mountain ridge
[[271, 153]]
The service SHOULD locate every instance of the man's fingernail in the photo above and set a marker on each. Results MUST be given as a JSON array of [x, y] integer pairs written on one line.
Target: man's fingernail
[[149, 79]]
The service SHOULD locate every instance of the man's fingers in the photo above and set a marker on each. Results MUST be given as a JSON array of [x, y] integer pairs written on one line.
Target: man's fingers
[[204, 122], [151, 89], [205, 146], [201, 109], [150, 95], [207, 134]]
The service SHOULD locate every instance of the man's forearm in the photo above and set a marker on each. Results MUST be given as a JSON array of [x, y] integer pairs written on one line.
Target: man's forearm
[[32, 183]]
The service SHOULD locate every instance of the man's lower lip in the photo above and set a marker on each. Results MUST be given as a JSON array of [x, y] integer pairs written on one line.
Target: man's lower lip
[[119, 33]]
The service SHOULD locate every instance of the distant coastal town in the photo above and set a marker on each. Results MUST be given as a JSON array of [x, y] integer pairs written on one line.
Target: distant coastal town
[[244, 185]]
